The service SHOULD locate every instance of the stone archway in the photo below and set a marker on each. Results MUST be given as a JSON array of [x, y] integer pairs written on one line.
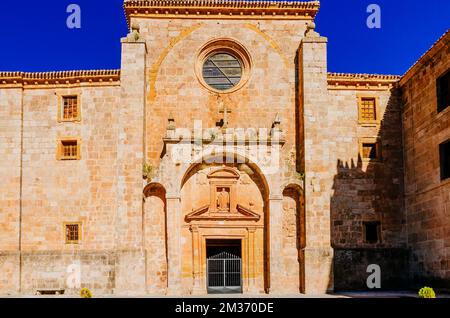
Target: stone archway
[[294, 238], [155, 238], [224, 203]]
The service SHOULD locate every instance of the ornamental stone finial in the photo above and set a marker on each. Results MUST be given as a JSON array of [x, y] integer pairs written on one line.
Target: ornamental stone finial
[[171, 122], [310, 29], [134, 35]]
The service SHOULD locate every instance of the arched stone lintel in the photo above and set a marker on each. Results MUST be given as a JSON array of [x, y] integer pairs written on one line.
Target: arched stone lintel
[[152, 188], [295, 185]]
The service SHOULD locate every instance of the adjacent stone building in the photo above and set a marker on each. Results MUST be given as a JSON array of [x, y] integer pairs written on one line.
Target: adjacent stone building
[[223, 157]]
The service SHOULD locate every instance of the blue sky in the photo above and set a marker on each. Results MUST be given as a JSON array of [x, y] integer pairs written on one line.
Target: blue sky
[[34, 36]]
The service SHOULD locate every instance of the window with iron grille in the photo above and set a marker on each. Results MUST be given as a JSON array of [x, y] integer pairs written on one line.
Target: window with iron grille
[[70, 108], [368, 109], [69, 149], [222, 71], [72, 231], [443, 91]]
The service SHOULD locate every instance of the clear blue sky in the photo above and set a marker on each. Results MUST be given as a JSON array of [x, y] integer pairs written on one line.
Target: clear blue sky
[[34, 36]]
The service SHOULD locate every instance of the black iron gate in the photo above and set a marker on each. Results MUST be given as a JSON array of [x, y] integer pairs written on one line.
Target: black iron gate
[[224, 274]]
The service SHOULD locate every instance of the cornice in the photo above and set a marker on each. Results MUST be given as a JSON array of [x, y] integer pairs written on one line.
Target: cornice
[[362, 81], [442, 42], [222, 9], [64, 78]]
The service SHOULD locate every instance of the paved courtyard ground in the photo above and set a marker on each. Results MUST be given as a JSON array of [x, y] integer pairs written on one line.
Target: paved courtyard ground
[[349, 294]]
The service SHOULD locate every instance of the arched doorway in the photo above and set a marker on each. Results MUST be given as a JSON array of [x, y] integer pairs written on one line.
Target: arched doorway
[[294, 238], [224, 209], [155, 238]]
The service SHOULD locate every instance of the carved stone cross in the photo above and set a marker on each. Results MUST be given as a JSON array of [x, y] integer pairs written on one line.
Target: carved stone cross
[[223, 109]]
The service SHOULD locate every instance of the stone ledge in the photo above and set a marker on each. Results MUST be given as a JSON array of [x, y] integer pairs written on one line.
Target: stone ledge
[[36, 79]]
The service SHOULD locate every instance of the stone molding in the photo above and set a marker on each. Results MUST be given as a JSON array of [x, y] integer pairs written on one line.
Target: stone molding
[[220, 9], [362, 81], [438, 46], [64, 78]]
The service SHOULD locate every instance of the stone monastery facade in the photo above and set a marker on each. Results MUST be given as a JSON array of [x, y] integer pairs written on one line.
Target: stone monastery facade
[[224, 157]]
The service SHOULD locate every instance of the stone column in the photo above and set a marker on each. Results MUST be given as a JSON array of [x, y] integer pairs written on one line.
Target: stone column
[[174, 244], [275, 236], [198, 287], [317, 160], [130, 262], [252, 261]]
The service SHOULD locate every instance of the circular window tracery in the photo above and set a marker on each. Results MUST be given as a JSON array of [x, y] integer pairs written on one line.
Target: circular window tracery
[[223, 66], [222, 71]]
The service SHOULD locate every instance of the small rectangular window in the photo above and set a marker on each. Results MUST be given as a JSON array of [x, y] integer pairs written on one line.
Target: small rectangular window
[[443, 91], [68, 149], [69, 108], [370, 150], [72, 233], [444, 154], [368, 109], [372, 232]]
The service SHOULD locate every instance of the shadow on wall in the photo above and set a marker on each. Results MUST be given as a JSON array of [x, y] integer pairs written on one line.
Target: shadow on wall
[[367, 213]]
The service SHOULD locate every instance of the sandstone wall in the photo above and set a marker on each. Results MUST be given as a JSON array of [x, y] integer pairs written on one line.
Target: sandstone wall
[[173, 87], [366, 190], [427, 198], [351, 268], [10, 149], [54, 192]]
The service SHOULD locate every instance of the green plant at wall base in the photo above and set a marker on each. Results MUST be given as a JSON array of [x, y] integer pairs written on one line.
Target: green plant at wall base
[[427, 292], [85, 293], [147, 171]]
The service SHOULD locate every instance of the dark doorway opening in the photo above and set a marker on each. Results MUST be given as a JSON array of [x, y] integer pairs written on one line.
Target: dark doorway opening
[[224, 266]]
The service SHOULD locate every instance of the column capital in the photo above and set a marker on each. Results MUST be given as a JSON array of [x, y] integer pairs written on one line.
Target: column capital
[[318, 39], [275, 197], [173, 196], [193, 228], [251, 229]]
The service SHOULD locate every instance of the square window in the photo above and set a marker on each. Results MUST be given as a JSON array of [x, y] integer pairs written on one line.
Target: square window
[[443, 92], [68, 149], [368, 109], [369, 151], [372, 232], [72, 233], [69, 108], [444, 154]]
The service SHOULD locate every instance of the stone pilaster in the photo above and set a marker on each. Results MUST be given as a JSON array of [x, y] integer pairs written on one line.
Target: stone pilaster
[[317, 161], [11, 156], [252, 288], [198, 286], [174, 244], [276, 243], [131, 279]]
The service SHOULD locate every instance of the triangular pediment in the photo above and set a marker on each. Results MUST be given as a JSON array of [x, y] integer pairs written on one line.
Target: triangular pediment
[[242, 214], [247, 212], [224, 173]]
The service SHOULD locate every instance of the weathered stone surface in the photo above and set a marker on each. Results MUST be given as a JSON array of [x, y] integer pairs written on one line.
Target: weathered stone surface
[[350, 268], [427, 198], [152, 235]]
